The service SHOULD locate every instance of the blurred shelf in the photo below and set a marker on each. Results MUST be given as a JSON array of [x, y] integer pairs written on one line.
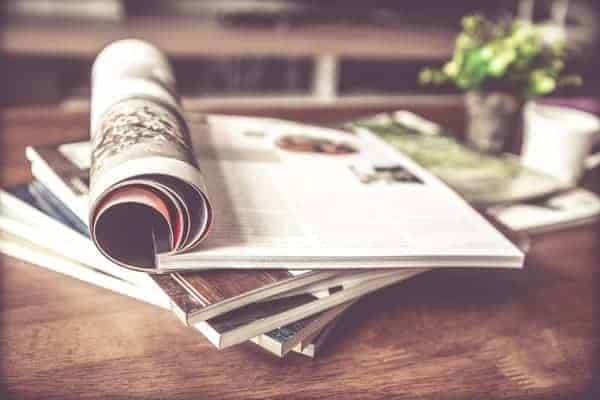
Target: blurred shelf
[[297, 101], [186, 38]]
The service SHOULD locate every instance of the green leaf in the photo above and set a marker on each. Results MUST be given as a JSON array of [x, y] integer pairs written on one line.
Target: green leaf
[[513, 57], [501, 61], [541, 83], [451, 69]]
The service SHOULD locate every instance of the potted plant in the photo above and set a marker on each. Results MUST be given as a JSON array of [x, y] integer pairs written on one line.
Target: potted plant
[[499, 66]]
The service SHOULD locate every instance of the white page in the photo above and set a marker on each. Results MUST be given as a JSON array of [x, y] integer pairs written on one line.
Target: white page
[[274, 204]]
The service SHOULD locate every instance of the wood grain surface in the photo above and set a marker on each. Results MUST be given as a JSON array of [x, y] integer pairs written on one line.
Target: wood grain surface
[[215, 286], [454, 334]]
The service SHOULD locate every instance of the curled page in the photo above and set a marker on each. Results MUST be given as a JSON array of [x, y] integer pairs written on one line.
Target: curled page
[[147, 193]]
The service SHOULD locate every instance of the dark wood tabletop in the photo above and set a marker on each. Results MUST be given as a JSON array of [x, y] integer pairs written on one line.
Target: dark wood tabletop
[[453, 334]]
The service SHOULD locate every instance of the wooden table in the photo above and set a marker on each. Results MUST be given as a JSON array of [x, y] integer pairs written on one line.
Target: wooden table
[[457, 334]]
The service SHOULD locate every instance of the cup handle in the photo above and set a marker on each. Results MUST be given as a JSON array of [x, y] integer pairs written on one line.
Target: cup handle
[[593, 160]]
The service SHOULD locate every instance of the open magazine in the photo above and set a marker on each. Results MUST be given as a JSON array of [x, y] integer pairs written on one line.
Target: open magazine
[[225, 192]]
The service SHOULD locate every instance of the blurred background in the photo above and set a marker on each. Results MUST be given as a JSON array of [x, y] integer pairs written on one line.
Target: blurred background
[[301, 51]]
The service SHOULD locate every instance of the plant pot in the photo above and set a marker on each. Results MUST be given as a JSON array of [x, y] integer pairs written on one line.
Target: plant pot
[[492, 118]]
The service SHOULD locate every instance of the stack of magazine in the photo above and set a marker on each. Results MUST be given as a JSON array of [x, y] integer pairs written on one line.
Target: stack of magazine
[[248, 229]]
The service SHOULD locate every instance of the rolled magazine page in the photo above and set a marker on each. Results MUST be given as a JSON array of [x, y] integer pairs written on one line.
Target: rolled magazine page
[[147, 193]]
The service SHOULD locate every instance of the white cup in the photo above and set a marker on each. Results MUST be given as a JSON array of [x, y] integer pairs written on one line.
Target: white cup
[[558, 141]]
